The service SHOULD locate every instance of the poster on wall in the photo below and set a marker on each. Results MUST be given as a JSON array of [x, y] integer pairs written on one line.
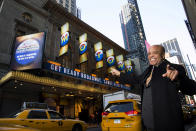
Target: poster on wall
[[83, 58], [28, 52], [128, 66], [64, 39], [120, 62], [110, 57], [83, 47], [98, 55]]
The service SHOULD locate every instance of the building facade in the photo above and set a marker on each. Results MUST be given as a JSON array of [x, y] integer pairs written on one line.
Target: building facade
[[133, 33], [172, 47], [190, 10], [69, 82], [69, 5]]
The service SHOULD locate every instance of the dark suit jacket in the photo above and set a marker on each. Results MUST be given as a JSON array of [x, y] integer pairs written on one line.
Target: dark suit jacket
[[167, 111]]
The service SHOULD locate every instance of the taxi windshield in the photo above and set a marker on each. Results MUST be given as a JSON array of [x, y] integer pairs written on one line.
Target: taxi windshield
[[119, 107]]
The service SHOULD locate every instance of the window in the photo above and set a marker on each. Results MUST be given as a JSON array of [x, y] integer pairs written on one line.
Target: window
[[27, 17], [37, 114], [119, 107], [55, 115], [61, 1]]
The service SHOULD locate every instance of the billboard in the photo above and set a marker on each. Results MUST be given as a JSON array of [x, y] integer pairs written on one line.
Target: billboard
[[98, 55], [128, 66], [28, 51], [64, 39], [83, 47], [120, 62]]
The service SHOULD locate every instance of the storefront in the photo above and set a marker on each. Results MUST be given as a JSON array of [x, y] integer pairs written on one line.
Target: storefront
[[71, 94]]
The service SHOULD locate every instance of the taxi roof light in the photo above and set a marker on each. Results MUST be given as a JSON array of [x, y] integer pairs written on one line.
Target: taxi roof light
[[34, 105]]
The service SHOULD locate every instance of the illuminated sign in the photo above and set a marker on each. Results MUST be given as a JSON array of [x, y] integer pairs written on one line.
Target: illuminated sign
[[83, 47], [28, 51], [111, 61], [128, 66], [83, 76], [63, 50], [83, 38], [83, 58], [99, 55], [109, 53], [99, 64], [64, 39], [120, 63]]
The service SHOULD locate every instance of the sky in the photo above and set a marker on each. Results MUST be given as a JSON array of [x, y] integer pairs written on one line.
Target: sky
[[162, 20]]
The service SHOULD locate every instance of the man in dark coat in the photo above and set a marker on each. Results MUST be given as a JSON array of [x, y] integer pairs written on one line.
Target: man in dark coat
[[160, 84]]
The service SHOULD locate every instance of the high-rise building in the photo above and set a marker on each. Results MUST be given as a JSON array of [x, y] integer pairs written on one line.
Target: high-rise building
[[78, 13], [172, 47], [133, 32], [190, 10], [70, 5], [174, 55]]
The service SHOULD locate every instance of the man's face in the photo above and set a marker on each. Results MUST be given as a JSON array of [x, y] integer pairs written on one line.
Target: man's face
[[155, 55]]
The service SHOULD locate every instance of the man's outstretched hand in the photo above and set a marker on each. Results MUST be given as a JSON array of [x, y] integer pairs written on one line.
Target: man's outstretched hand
[[171, 73], [115, 72]]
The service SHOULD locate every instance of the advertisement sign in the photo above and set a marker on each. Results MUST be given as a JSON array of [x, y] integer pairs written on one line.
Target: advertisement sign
[[111, 61], [110, 57], [98, 51], [99, 55], [120, 62], [128, 66], [63, 50], [28, 51], [83, 38], [83, 76], [98, 46], [99, 64], [109, 53], [64, 39], [83, 47], [83, 58]]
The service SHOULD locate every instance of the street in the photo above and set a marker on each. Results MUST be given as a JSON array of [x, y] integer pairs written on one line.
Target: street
[[191, 126]]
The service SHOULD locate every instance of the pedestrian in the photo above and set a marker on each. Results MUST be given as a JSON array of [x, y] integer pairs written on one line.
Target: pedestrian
[[160, 84]]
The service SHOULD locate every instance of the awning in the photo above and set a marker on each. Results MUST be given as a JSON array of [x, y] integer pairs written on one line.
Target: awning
[[27, 77]]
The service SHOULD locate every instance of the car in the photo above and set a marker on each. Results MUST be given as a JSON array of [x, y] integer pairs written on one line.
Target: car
[[122, 115], [194, 111], [44, 120], [11, 127]]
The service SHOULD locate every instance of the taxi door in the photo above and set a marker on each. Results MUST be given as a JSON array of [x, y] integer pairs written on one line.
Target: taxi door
[[39, 119], [58, 120]]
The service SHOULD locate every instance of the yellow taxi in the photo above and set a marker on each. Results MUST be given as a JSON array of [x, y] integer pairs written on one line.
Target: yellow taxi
[[44, 120], [11, 127], [122, 115]]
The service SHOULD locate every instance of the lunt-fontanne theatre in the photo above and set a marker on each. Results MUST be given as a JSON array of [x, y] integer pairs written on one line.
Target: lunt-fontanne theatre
[[48, 55]]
